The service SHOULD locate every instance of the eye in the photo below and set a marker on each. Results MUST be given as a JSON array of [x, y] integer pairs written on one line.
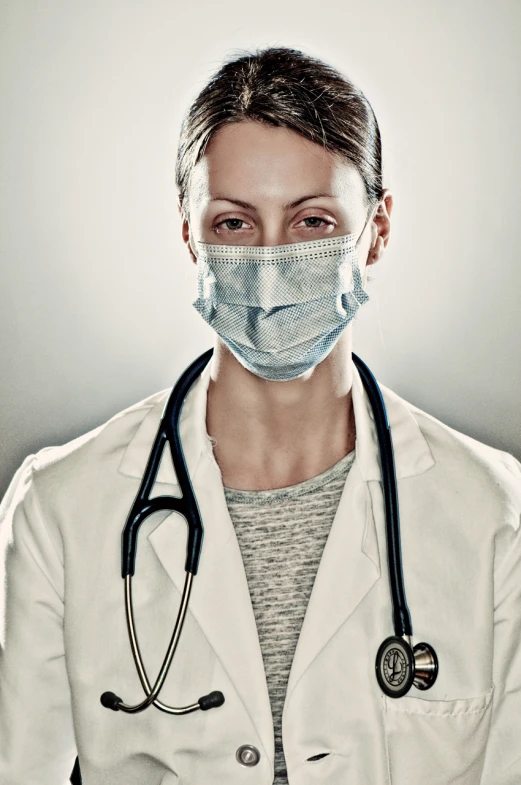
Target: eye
[[228, 221], [323, 222]]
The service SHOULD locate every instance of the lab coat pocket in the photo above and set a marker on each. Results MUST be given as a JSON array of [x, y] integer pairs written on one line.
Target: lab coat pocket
[[436, 741]]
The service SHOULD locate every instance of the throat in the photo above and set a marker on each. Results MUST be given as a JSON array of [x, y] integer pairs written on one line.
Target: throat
[[250, 471]]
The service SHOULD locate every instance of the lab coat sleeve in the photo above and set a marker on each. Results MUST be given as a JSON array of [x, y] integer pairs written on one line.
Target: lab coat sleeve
[[503, 752], [37, 744]]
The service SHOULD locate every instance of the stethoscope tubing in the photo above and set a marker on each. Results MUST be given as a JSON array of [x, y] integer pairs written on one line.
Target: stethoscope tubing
[[401, 615], [143, 505]]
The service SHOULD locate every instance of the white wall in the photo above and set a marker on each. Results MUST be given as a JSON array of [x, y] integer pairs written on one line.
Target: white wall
[[96, 286]]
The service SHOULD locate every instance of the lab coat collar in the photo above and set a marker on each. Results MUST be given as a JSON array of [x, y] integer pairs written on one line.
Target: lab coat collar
[[412, 454]]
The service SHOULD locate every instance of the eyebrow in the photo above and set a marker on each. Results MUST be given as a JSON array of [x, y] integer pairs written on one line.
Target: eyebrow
[[288, 206]]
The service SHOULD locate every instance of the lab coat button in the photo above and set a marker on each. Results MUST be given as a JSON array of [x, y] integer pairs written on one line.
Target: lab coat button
[[248, 755]]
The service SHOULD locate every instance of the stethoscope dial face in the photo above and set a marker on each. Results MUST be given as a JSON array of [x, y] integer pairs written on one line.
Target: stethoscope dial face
[[395, 667]]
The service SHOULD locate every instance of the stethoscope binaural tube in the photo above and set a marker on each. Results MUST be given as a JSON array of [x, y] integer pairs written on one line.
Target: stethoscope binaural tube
[[398, 665], [141, 509]]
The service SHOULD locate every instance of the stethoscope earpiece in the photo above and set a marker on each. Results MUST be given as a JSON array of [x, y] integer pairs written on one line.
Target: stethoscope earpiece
[[110, 701], [400, 667]]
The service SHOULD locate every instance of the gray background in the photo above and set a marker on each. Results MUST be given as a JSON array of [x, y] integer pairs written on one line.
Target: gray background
[[96, 284]]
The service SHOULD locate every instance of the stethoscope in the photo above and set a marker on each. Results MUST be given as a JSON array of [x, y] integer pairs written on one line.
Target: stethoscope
[[398, 664]]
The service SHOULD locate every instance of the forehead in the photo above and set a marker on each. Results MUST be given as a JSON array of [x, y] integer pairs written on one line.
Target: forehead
[[252, 160]]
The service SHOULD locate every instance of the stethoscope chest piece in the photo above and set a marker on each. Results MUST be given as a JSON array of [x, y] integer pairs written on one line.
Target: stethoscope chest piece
[[399, 666]]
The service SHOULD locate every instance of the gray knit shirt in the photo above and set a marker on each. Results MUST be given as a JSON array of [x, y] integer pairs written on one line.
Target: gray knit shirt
[[282, 534]]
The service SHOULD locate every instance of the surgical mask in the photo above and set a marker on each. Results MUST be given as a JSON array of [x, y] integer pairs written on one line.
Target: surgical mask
[[280, 309]]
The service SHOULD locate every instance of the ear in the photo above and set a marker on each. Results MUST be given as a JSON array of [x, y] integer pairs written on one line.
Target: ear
[[382, 222], [186, 234]]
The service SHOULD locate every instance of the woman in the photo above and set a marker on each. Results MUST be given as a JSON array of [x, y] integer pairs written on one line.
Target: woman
[[283, 212]]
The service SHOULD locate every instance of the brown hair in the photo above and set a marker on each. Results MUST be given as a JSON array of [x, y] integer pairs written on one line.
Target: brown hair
[[284, 87]]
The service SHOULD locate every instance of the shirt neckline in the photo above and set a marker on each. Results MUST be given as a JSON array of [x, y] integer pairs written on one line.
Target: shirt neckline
[[291, 491]]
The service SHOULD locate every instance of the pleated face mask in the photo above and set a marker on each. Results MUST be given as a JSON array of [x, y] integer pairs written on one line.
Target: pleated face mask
[[280, 309]]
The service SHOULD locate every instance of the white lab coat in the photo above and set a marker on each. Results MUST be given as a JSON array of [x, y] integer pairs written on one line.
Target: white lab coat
[[66, 640]]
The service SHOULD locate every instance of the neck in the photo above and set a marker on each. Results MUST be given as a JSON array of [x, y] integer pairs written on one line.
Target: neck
[[271, 434]]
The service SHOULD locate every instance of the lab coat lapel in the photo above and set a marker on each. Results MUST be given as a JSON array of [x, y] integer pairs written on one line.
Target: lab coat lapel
[[350, 563], [348, 568], [220, 599]]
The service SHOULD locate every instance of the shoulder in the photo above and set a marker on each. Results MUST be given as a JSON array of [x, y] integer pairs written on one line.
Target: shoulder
[[65, 488], [469, 463], [86, 458]]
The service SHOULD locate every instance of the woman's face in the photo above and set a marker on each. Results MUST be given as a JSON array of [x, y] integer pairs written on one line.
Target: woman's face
[[265, 185]]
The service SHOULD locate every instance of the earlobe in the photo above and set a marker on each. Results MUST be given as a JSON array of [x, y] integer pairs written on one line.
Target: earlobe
[[190, 244], [376, 251], [188, 239]]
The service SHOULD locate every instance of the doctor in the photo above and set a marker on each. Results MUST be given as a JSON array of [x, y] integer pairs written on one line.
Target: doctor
[[291, 600]]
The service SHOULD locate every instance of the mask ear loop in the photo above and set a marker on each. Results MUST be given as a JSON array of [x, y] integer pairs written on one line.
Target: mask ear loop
[[370, 216]]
